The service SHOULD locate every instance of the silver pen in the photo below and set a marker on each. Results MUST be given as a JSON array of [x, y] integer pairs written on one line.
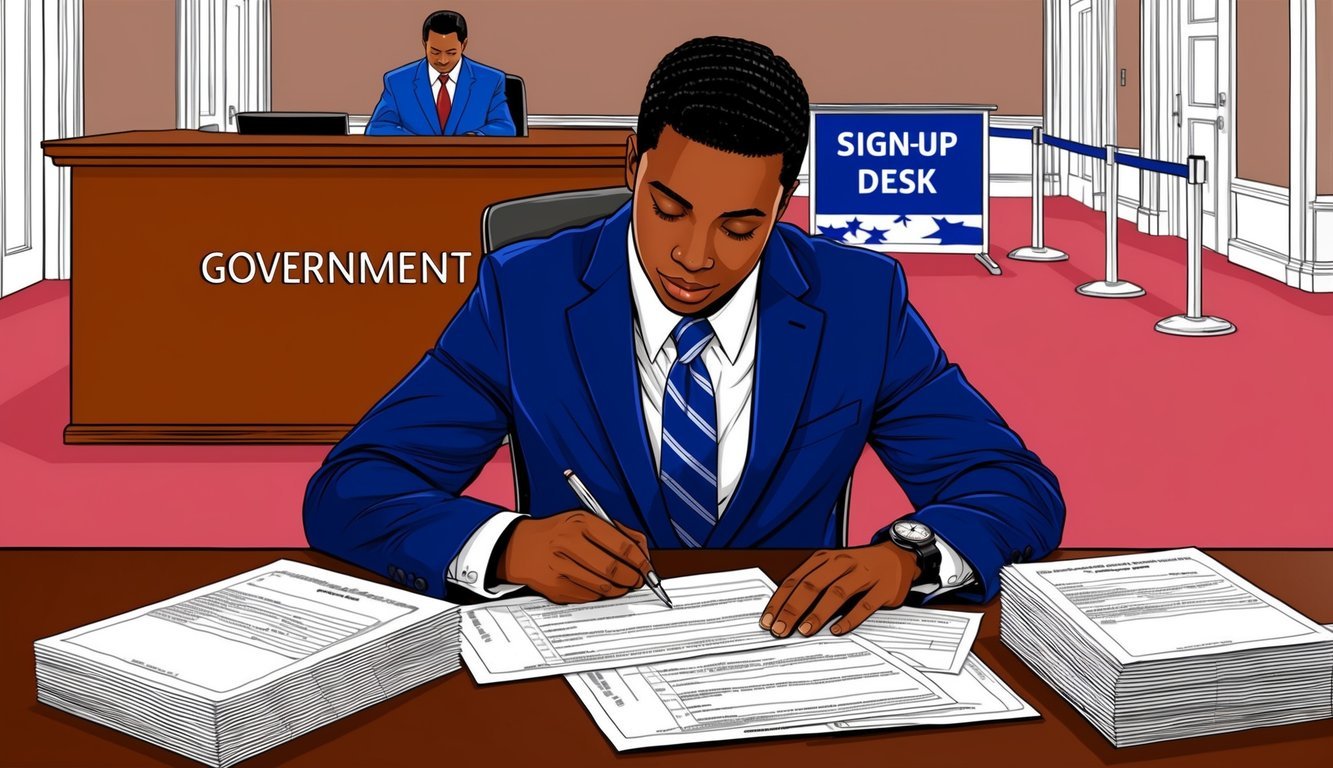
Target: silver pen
[[585, 496]]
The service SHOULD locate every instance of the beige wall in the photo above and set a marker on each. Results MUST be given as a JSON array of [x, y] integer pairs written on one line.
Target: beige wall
[[129, 65], [1263, 91], [1127, 99], [1324, 97], [595, 56]]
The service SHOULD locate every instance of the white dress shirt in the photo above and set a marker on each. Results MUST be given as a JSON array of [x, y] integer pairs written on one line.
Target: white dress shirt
[[450, 81], [729, 358]]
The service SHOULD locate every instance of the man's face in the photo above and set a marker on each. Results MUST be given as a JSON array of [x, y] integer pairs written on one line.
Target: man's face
[[444, 51], [701, 218]]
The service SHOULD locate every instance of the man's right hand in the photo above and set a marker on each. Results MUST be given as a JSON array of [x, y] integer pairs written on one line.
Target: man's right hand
[[573, 557]]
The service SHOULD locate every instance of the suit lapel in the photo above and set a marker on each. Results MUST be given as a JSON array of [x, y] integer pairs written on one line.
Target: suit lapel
[[462, 90], [786, 345], [601, 325], [421, 87]]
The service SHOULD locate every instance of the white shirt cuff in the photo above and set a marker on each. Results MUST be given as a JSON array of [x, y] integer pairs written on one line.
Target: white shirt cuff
[[954, 572], [469, 568]]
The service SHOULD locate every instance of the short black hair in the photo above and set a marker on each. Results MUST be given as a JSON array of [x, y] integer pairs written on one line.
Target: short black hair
[[732, 95], [444, 22]]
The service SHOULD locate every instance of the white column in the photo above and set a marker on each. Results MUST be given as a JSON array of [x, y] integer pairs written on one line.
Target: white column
[[1307, 269]]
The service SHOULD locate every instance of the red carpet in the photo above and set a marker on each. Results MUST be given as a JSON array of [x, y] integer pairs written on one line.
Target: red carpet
[[1158, 441]]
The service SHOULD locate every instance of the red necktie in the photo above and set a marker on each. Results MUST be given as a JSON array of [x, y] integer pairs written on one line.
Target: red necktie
[[442, 104]]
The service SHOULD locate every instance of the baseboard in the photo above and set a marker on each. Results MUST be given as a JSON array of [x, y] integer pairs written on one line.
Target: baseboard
[[1258, 258], [205, 434]]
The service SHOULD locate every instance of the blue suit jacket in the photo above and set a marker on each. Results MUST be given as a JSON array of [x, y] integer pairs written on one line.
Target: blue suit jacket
[[543, 351], [407, 108]]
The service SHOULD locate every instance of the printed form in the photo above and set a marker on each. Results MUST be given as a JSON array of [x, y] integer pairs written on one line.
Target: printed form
[[1167, 605], [532, 637], [928, 639], [820, 685]]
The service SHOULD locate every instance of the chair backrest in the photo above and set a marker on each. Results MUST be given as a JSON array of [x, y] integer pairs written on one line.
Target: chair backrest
[[516, 93], [843, 510], [541, 215]]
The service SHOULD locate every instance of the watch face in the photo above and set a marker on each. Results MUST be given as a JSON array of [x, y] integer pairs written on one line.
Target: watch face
[[913, 532]]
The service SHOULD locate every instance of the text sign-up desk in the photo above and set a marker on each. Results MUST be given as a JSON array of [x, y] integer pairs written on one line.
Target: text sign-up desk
[[540, 722], [285, 342]]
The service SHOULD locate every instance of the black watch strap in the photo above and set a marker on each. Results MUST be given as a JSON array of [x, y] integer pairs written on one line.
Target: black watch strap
[[928, 560]]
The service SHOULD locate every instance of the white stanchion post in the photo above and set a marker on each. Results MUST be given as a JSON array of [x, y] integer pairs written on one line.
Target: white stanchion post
[[1112, 287], [1193, 322], [1038, 250]]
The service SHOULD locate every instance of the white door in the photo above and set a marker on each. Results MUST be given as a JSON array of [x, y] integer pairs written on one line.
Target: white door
[[223, 50], [1084, 101], [21, 123], [1203, 114]]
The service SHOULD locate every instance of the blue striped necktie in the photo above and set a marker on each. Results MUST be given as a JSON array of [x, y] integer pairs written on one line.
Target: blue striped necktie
[[689, 437]]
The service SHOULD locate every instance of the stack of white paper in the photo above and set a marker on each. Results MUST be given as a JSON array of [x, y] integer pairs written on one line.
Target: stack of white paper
[[1166, 645], [229, 670]]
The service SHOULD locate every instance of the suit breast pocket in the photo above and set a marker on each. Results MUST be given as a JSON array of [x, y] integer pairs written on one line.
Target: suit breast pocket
[[827, 425]]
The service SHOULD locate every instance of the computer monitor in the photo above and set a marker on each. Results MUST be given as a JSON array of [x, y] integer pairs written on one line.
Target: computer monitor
[[292, 123]]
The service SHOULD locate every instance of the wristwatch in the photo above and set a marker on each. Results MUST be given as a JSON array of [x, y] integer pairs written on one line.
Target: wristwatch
[[917, 537]]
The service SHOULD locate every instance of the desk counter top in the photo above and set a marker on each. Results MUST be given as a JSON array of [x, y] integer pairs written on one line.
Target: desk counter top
[[195, 148], [540, 722]]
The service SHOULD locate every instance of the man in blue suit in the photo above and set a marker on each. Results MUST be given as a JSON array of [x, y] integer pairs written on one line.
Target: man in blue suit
[[443, 94], [710, 374]]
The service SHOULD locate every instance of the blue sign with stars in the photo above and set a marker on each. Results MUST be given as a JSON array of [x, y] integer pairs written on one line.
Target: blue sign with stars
[[900, 181]]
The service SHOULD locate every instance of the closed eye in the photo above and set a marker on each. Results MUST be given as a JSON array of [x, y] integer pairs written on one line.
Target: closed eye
[[666, 216]]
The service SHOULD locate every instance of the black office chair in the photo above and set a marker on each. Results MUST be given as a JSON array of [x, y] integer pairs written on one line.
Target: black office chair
[[541, 215], [517, 95]]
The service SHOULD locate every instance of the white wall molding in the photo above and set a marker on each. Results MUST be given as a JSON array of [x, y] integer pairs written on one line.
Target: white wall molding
[[1260, 226], [1258, 258], [1262, 190], [63, 104]]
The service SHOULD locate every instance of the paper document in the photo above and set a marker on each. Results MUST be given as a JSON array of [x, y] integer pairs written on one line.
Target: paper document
[[1167, 604], [818, 686], [928, 639], [532, 637], [979, 695], [745, 694]]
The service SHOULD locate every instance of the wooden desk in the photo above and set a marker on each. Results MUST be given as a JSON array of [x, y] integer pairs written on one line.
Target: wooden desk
[[160, 354], [540, 722]]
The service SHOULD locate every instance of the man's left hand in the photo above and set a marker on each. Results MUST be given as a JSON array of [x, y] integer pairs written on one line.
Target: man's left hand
[[861, 579]]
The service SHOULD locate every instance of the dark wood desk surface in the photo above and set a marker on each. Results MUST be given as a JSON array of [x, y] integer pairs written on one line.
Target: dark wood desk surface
[[540, 722]]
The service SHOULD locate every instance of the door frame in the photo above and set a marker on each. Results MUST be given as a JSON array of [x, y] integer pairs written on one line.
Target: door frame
[[25, 266], [63, 106], [1059, 104], [1168, 51], [1161, 198], [256, 77]]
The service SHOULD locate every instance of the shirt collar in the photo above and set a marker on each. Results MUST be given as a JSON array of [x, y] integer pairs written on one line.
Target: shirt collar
[[731, 322], [451, 75]]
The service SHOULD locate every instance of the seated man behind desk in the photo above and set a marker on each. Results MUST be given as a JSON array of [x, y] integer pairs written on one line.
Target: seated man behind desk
[[710, 374], [443, 94]]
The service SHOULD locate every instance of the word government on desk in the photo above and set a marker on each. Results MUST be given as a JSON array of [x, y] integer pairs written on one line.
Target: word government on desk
[[330, 267]]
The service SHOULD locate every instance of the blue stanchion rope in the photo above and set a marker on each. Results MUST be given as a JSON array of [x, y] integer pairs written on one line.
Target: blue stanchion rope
[[1156, 166], [1076, 147], [1012, 133]]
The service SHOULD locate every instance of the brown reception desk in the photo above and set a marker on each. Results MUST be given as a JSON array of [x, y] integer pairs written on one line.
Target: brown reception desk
[[219, 291], [454, 722]]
